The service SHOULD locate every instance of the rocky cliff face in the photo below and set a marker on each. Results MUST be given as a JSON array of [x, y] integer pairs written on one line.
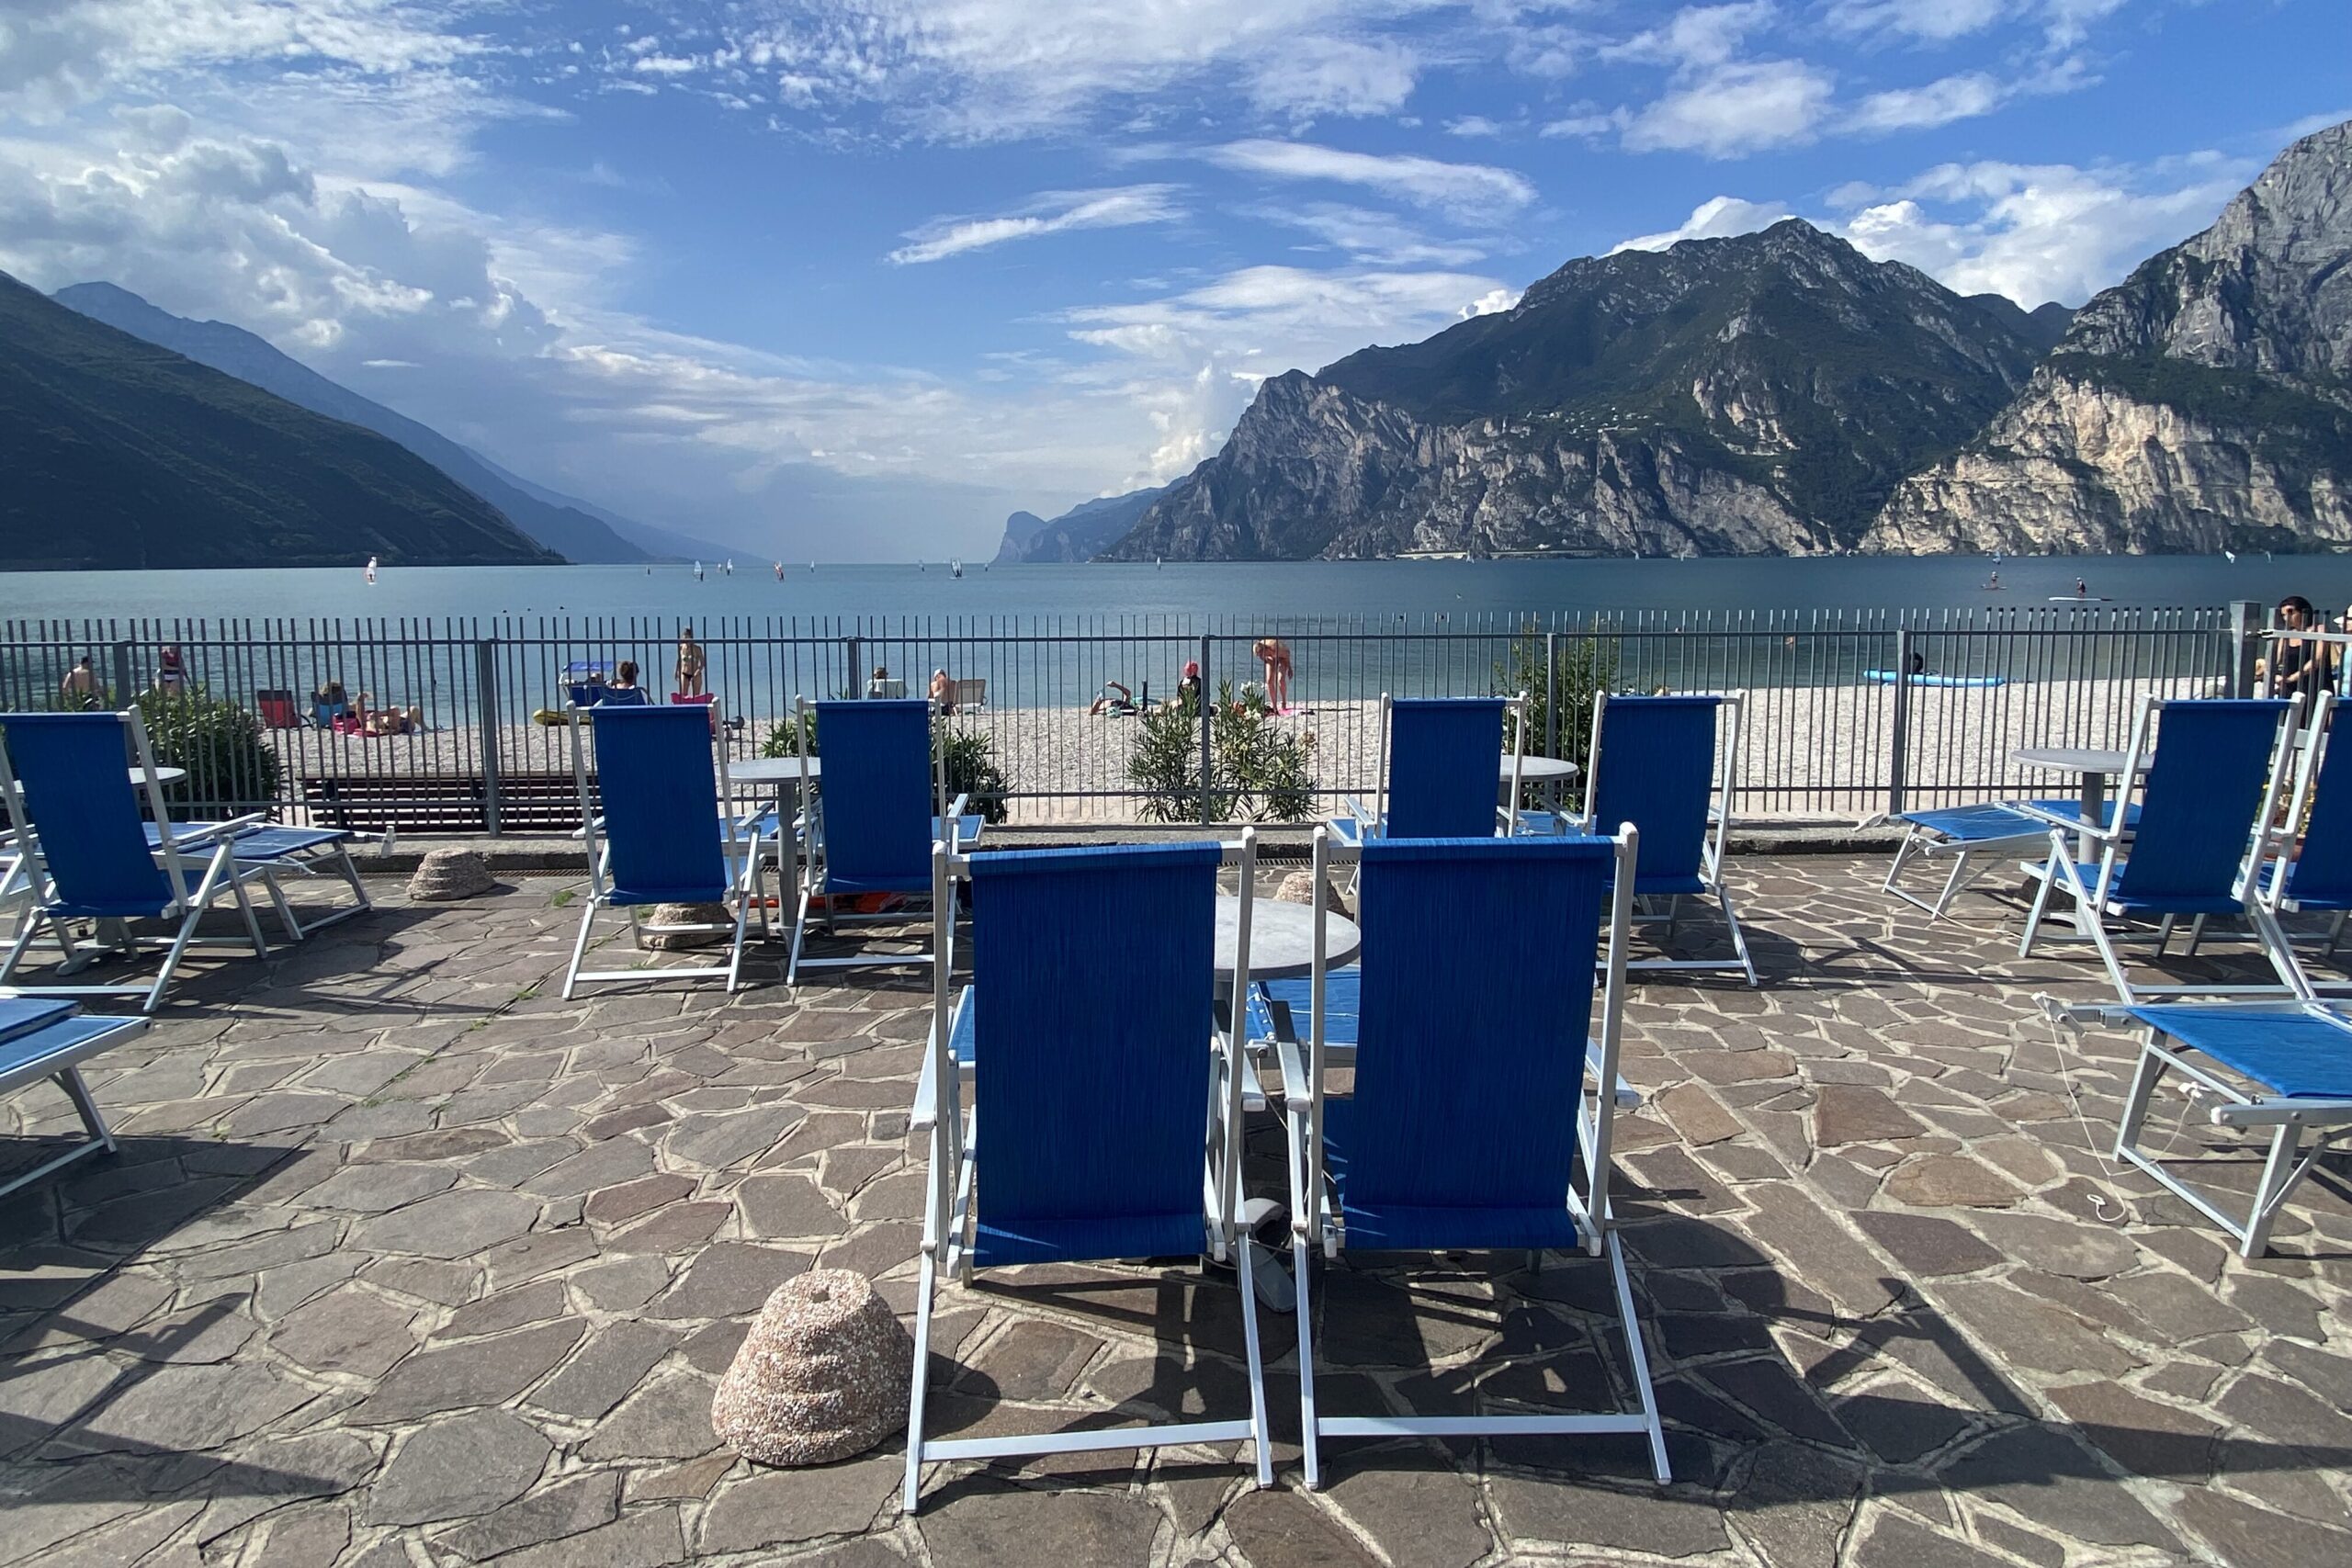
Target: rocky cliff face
[[1755, 395], [1078, 535], [2204, 402]]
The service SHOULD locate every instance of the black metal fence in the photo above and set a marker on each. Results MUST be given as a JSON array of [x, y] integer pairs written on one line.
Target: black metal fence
[[1063, 702]]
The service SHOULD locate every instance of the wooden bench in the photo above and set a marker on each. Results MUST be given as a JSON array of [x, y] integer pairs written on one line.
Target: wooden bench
[[458, 803]]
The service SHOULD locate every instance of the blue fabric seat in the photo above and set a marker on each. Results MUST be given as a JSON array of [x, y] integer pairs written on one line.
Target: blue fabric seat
[[90, 856], [2214, 777], [274, 851], [2284, 1069], [881, 804], [661, 836], [1654, 764], [1440, 779], [1099, 1086], [49, 1039], [1479, 1115]]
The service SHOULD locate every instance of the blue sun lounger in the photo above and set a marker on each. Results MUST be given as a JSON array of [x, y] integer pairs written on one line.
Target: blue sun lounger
[[662, 836], [1112, 1101], [87, 855], [274, 851], [2211, 775], [2286, 1066], [49, 1040], [880, 805], [1437, 769], [1481, 1092], [1653, 763], [1962, 834]]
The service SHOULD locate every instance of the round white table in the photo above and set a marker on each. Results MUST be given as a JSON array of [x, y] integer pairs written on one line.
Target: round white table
[[1282, 937], [773, 770], [163, 776], [1539, 769], [2095, 764]]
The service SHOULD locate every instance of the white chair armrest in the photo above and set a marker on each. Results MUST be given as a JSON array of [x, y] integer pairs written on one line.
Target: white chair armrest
[[2100, 830], [1296, 1089]]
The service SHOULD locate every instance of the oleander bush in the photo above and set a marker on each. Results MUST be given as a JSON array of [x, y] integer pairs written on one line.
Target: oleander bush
[[223, 747]]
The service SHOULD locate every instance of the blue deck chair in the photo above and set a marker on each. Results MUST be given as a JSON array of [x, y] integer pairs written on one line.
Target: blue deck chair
[[51, 1039], [1481, 1090], [879, 807], [2309, 868], [2286, 1066], [1962, 834], [2211, 775], [83, 836], [275, 852], [1653, 763], [663, 835], [1438, 770], [1112, 1101]]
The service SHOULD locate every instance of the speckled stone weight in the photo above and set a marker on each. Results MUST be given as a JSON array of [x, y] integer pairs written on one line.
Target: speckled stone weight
[[822, 1376], [685, 915], [450, 873]]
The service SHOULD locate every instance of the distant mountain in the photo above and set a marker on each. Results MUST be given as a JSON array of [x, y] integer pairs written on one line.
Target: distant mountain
[[1083, 533], [2203, 403], [556, 522], [2045, 324], [663, 544], [1757, 395], [115, 452]]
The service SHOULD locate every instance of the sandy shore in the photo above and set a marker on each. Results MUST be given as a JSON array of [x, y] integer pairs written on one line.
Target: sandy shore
[[1805, 751]]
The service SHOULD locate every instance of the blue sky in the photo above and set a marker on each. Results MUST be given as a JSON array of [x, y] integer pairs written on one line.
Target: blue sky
[[851, 278]]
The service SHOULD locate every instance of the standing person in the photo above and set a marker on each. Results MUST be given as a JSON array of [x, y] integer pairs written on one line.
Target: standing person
[[691, 665], [169, 676], [2301, 669], [2082, 589], [79, 687], [1274, 654]]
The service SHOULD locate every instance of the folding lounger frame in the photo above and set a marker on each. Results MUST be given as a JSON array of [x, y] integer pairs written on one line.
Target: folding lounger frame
[[2322, 1115], [55, 1048], [2309, 870], [111, 883], [809, 857], [1691, 845], [1959, 833], [712, 858], [271, 850], [1316, 1222], [955, 1183], [2199, 867]]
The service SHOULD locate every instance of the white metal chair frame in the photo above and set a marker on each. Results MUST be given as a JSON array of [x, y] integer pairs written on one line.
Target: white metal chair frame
[[1962, 852], [219, 872], [741, 849], [2092, 904], [1314, 1222], [1711, 866], [63, 1063], [2280, 834], [952, 1132], [2227, 1103], [802, 851]]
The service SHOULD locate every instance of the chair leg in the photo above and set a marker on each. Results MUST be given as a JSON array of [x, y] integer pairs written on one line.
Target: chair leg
[[30, 928], [94, 1121], [743, 930], [579, 948], [1261, 1432], [246, 907], [1738, 937], [1640, 1359], [278, 901], [799, 930], [2279, 1176], [1902, 857], [2040, 909], [1953, 885], [1300, 1254], [912, 1496], [2135, 1104]]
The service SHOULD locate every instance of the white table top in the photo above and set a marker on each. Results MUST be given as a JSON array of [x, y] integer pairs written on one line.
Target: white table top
[[1540, 770], [773, 770], [163, 775], [2069, 759], [1282, 937]]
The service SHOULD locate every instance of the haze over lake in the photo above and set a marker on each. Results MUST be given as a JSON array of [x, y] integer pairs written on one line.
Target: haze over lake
[[1289, 592]]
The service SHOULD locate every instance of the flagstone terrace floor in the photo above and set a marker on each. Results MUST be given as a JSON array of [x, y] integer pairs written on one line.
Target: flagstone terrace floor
[[404, 1259]]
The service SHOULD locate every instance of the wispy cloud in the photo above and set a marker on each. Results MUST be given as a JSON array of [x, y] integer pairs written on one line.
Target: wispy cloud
[[1731, 110], [1426, 182], [1051, 212]]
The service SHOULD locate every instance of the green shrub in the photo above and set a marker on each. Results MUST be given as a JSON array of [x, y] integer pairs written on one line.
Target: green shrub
[[223, 747], [970, 755], [1587, 667], [1262, 772]]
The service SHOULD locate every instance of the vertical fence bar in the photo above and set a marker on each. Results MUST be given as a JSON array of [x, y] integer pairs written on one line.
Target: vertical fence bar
[[1900, 744], [1206, 704], [124, 691], [486, 716], [2245, 645]]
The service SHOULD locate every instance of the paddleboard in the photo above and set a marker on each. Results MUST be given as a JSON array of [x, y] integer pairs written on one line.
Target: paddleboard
[[1888, 678], [2079, 599]]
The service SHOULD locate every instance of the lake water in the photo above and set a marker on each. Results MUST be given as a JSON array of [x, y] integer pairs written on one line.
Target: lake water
[[1290, 595]]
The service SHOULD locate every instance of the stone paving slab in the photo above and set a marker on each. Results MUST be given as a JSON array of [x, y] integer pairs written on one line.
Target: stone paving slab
[[406, 1260]]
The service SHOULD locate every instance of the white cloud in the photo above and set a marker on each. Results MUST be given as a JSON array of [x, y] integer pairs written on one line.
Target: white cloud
[[1330, 75], [1712, 219], [1050, 212], [2039, 231], [1380, 239], [1697, 35], [1473, 125], [2064, 23], [1428, 182], [1493, 303], [1731, 110], [1961, 97]]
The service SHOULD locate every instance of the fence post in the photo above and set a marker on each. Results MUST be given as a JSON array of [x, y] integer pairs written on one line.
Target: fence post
[[856, 662], [1207, 764], [1897, 775], [125, 692], [1550, 694], [2245, 645], [486, 707]]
